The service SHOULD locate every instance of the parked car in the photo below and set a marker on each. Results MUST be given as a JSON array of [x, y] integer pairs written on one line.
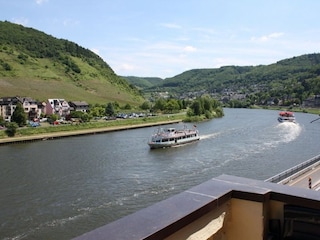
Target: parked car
[[34, 124]]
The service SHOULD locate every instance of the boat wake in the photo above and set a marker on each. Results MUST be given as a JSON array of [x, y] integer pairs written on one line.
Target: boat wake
[[263, 140], [289, 131], [208, 136], [281, 133]]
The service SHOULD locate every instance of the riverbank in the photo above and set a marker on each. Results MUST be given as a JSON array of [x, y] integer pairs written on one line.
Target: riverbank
[[61, 134]]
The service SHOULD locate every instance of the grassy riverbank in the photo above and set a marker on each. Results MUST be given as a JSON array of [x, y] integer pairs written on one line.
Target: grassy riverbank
[[63, 129]]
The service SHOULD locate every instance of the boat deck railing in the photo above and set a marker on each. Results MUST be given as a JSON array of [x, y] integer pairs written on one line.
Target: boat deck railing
[[295, 171]]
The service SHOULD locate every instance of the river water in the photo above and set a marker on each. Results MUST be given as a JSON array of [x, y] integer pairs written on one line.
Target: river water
[[59, 189]]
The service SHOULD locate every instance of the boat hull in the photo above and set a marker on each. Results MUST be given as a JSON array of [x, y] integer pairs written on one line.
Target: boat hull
[[282, 120], [155, 145], [170, 137]]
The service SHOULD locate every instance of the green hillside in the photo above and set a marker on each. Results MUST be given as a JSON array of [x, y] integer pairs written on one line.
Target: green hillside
[[297, 77], [40, 66], [302, 68], [143, 82]]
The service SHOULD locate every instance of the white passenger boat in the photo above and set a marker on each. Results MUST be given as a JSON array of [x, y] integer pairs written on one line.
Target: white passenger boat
[[286, 117], [169, 137]]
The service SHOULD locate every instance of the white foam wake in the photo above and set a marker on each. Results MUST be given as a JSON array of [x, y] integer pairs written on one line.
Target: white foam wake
[[289, 131], [207, 136]]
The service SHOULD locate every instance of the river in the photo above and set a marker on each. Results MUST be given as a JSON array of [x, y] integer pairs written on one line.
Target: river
[[62, 188]]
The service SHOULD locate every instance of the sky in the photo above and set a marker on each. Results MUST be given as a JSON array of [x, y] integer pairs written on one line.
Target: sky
[[162, 38]]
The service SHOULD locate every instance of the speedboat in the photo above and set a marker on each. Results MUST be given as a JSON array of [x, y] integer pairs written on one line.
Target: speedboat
[[286, 116], [169, 137]]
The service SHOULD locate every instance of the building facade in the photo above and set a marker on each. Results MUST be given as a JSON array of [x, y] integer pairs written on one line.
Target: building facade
[[59, 107], [81, 106], [31, 107]]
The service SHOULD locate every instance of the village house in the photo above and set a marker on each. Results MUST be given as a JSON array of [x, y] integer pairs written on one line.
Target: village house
[[7, 107], [31, 107], [59, 107], [81, 106], [34, 109]]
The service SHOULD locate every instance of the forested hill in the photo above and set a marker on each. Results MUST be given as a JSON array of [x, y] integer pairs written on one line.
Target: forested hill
[[143, 82], [41, 66], [294, 76]]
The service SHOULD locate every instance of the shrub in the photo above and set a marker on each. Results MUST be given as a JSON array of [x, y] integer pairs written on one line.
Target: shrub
[[11, 129]]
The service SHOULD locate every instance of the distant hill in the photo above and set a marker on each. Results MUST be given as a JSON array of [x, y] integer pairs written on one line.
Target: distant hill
[[41, 66], [143, 82], [297, 76]]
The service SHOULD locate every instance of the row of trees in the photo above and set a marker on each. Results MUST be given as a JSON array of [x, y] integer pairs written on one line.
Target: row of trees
[[204, 106]]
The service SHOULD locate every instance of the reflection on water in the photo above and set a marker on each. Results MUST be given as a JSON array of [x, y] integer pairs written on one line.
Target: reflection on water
[[62, 188]]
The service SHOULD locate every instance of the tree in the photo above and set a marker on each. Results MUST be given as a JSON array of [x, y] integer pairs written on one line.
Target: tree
[[109, 109], [85, 117], [76, 114], [11, 129], [54, 117], [19, 115], [207, 103], [97, 111], [6, 67], [127, 106], [145, 105], [159, 104], [171, 105], [205, 106], [196, 108]]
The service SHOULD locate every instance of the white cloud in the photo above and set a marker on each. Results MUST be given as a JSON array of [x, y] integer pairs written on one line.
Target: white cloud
[[268, 37], [21, 21], [189, 49], [39, 2]]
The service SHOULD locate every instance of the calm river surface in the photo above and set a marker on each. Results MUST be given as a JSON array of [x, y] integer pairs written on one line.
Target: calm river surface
[[62, 188]]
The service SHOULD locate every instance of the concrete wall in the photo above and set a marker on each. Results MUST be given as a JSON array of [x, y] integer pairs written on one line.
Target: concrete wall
[[246, 221], [209, 226], [241, 220]]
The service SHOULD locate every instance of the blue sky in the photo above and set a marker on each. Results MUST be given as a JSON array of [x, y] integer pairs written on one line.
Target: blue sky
[[165, 38]]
